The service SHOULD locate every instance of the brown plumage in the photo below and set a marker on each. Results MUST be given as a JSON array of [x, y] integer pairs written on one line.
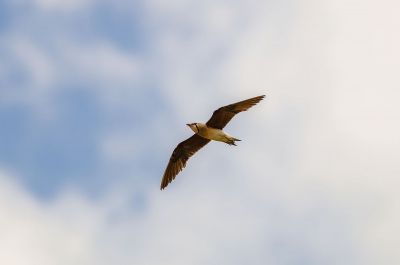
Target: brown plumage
[[190, 146], [223, 115], [181, 154]]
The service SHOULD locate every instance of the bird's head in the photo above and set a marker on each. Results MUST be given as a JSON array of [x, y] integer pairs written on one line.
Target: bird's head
[[194, 127]]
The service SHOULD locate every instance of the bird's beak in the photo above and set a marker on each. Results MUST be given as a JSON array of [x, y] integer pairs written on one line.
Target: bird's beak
[[188, 124]]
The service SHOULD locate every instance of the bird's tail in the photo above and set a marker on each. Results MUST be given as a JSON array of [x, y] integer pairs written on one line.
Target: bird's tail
[[232, 140]]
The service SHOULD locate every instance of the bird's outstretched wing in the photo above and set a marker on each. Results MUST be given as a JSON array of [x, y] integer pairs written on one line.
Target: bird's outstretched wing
[[180, 156], [223, 115]]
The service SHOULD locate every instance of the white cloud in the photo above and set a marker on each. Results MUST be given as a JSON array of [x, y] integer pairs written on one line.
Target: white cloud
[[329, 120], [49, 6], [39, 233], [36, 71], [36, 61], [314, 180], [102, 62], [113, 75], [60, 5]]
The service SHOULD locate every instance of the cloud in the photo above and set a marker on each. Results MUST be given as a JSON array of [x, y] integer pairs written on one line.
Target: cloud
[[202, 228], [36, 233], [59, 5], [313, 182], [114, 76]]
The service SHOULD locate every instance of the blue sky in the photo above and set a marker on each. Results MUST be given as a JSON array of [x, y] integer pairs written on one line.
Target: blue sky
[[94, 96]]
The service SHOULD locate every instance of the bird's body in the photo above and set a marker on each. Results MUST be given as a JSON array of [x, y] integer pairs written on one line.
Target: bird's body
[[204, 133], [212, 133]]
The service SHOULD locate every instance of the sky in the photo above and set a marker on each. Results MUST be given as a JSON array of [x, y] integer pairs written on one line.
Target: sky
[[95, 95]]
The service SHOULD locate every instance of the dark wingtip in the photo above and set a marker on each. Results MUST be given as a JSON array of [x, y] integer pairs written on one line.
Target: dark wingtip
[[257, 99]]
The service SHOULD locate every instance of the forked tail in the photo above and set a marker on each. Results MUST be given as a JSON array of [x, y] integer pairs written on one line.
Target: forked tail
[[231, 140]]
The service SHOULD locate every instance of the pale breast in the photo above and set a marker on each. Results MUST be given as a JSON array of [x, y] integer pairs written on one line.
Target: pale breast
[[211, 133]]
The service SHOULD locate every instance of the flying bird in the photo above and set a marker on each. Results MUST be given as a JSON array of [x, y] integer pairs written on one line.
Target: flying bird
[[204, 133]]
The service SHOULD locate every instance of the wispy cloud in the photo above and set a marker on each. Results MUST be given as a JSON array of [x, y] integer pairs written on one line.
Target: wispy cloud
[[313, 182]]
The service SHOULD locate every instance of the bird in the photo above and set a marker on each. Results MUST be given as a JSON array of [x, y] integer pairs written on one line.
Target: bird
[[203, 134]]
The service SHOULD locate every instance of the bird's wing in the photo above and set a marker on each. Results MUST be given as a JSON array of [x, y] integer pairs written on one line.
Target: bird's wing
[[223, 115], [180, 156]]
